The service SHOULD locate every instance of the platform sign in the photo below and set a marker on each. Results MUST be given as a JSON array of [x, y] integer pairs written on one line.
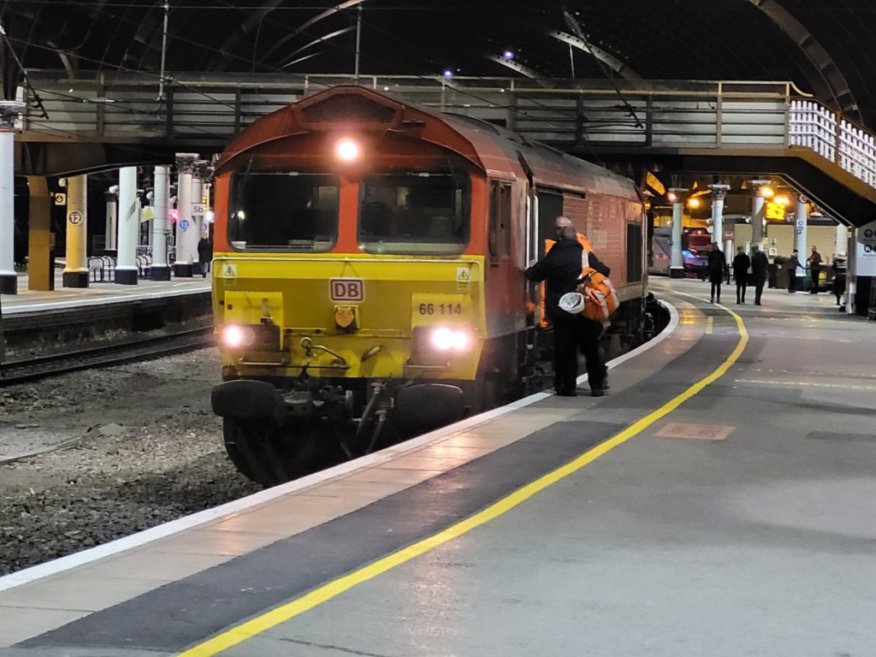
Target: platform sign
[[865, 262], [867, 235], [198, 211], [799, 226], [75, 217], [774, 211]]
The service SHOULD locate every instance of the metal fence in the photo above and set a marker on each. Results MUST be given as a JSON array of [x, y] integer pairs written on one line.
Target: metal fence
[[102, 269]]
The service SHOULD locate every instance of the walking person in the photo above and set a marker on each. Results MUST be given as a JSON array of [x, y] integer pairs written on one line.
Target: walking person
[[205, 254], [561, 270], [814, 262], [760, 266], [717, 266], [791, 265], [741, 265]]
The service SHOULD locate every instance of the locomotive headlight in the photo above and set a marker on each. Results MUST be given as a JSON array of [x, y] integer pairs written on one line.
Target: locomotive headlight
[[447, 339], [347, 150], [234, 336]]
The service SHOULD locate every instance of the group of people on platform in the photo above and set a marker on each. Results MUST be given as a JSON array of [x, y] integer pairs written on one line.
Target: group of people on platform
[[754, 270]]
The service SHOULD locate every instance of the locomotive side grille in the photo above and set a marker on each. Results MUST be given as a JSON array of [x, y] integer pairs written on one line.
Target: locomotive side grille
[[348, 108]]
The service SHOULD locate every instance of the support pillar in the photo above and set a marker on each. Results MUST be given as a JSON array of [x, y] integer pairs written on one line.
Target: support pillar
[[842, 240], [129, 227], [112, 211], [40, 241], [757, 216], [676, 269], [76, 270], [719, 193], [182, 268], [851, 273], [160, 271], [9, 111], [801, 223], [197, 219]]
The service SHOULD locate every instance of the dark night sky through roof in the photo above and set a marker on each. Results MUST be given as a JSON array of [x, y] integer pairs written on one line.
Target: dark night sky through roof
[[661, 39]]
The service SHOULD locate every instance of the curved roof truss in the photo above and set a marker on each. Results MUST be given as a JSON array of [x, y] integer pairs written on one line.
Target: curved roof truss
[[833, 83], [606, 58]]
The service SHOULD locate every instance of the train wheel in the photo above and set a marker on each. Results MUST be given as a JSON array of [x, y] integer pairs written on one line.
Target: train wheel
[[272, 455], [490, 392]]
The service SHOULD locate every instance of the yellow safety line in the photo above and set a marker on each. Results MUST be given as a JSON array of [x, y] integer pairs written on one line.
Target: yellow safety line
[[290, 610]]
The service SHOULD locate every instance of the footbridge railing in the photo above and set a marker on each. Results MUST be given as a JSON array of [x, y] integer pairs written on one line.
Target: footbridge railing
[[207, 110]]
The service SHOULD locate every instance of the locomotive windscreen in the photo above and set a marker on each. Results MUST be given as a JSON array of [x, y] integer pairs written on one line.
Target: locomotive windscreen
[[416, 212], [283, 211]]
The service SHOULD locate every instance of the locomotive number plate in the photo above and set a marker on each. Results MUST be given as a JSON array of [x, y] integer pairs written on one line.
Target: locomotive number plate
[[446, 309], [347, 289]]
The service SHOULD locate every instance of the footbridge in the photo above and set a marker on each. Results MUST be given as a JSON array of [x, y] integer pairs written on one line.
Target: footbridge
[[757, 128]]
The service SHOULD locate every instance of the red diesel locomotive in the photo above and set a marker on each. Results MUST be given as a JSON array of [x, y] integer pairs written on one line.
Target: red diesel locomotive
[[368, 276]]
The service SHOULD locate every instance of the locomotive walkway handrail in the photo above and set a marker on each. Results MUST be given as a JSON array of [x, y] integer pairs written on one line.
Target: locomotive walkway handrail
[[721, 115]]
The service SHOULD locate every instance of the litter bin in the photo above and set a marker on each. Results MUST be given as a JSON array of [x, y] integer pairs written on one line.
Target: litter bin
[[778, 273]]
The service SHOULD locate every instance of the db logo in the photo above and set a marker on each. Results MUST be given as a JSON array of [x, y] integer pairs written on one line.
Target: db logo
[[347, 289]]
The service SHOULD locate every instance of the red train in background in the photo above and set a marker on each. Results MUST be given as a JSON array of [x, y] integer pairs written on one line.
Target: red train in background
[[368, 274]]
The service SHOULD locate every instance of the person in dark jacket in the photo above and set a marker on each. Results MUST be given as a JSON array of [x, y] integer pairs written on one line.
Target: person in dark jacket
[[717, 267], [561, 270], [760, 266], [741, 265], [791, 265], [839, 279], [205, 255], [814, 262]]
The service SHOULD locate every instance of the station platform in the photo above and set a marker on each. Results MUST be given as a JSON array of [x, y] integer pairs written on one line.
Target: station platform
[[717, 501], [62, 298], [70, 320]]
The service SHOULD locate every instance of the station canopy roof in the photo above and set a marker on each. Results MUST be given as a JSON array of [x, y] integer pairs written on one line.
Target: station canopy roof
[[824, 46]]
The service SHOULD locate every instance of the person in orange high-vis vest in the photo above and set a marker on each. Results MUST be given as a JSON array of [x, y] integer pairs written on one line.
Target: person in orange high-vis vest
[[560, 269], [548, 245]]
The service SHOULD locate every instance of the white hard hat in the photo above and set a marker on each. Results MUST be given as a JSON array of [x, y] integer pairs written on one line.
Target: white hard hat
[[572, 303]]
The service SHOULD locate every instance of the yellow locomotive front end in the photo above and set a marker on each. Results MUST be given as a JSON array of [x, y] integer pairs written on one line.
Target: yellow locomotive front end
[[349, 317]]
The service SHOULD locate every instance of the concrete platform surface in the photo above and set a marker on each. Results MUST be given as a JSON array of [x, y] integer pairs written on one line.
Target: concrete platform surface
[[717, 501]]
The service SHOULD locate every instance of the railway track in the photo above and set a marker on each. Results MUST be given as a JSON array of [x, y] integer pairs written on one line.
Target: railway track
[[20, 371]]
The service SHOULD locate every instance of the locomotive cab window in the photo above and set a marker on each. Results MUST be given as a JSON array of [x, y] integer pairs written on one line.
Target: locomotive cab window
[[283, 211], [414, 212]]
